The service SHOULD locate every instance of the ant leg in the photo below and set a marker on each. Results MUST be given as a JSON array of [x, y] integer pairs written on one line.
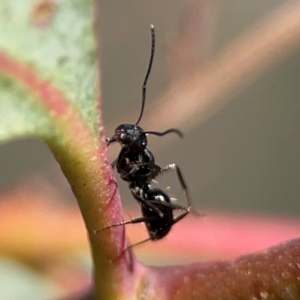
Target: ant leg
[[148, 204], [172, 167], [133, 168], [178, 218], [132, 221], [175, 220], [129, 247], [114, 163], [170, 205], [139, 196], [183, 186]]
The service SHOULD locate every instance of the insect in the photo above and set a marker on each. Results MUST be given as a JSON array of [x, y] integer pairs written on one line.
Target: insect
[[135, 159], [157, 226], [136, 165]]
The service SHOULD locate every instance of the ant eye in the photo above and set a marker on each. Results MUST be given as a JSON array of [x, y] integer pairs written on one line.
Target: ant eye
[[123, 136]]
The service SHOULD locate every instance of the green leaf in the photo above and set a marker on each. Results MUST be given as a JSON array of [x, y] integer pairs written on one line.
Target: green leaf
[[49, 89], [62, 51]]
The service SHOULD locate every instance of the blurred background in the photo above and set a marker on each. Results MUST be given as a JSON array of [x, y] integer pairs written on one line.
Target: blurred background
[[243, 159]]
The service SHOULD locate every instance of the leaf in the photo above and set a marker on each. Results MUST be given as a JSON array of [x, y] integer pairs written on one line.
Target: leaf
[[61, 53], [49, 89]]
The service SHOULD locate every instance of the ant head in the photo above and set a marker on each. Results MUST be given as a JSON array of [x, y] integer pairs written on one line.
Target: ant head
[[130, 135]]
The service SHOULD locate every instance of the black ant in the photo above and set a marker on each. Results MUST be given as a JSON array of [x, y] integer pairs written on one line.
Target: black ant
[[157, 226], [136, 165], [135, 154]]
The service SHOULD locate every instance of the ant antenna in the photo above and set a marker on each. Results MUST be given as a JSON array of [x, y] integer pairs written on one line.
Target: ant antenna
[[148, 72], [176, 131]]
